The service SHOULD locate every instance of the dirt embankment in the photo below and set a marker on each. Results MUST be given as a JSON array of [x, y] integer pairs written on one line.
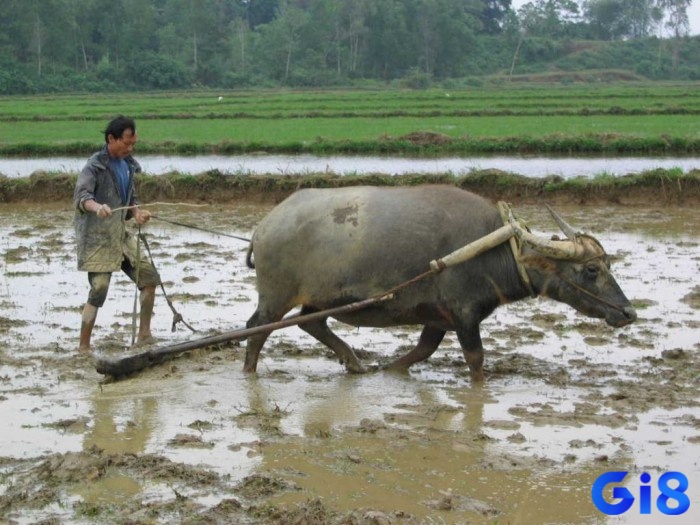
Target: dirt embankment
[[661, 187]]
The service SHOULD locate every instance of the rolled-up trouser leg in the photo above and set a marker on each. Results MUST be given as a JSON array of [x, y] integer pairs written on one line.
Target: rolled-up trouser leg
[[99, 286]]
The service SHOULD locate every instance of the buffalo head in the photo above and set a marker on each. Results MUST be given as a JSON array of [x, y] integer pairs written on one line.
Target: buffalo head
[[575, 271]]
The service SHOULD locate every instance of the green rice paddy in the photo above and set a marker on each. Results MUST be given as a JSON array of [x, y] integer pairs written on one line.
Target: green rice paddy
[[617, 119]]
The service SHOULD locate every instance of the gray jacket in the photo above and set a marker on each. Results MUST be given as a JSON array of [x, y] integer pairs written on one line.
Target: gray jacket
[[103, 243]]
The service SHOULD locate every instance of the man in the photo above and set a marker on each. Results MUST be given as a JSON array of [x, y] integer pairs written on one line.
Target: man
[[104, 246]]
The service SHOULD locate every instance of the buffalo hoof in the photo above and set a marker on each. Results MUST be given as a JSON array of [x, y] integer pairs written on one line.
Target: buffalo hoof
[[355, 368], [477, 376]]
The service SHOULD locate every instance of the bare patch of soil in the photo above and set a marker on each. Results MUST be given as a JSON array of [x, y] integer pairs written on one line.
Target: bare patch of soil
[[426, 138]]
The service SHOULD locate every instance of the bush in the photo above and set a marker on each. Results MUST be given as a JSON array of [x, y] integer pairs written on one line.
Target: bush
[[303, 77], [69, 81], [152, 71], [416, 79], [235, 79], [15, 82]]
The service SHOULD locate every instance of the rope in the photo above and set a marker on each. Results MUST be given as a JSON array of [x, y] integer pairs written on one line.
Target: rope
[[591, 294], [199, 228], [176, 223], [391, 291], [136, 293], [515, 247], [160, 204], [177, 317]]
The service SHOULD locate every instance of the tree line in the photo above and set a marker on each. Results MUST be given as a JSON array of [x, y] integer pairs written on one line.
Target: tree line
[[106, 45]]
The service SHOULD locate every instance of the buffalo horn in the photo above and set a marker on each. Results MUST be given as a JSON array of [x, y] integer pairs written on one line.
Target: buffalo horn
[[563, 225], [565, 250]]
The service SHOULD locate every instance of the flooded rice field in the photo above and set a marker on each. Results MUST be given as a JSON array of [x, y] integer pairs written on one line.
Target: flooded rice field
[[194, 440]]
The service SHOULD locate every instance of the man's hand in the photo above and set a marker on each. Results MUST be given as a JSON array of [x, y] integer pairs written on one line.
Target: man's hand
[[141, 216], [103, 211]]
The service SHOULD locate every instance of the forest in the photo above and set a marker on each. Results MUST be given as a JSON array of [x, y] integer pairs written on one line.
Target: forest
[[60, 46]]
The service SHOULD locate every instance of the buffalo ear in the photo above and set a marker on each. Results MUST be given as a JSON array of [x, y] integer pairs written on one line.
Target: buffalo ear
[[563, 225]]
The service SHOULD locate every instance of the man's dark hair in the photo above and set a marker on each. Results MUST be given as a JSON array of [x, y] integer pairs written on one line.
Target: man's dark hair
[[117, 126]]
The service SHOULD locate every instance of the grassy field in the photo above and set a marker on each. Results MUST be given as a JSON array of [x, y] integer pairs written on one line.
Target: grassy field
[[634, 118]]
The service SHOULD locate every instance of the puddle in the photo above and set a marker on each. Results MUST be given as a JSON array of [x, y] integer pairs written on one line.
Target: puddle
[[567, 398]]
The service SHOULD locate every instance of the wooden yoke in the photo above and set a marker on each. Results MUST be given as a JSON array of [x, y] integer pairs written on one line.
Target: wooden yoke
[[473, 249]]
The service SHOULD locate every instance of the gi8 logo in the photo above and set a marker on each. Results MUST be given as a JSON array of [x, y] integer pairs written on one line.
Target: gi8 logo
[[627, 498]]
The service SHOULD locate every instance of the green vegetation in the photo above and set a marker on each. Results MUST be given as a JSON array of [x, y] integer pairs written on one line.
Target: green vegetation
[[61, 46], [621, 99], [631, 118]]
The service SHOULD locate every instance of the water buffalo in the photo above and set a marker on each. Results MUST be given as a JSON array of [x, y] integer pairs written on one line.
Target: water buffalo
[[322, 248]]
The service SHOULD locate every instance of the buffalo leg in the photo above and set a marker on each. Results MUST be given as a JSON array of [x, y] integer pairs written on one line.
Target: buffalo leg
[[319, 329], [256, 342], [429, 340], [470, 341], [253, 347]]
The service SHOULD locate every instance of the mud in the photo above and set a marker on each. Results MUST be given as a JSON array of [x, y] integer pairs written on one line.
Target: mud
[[194, 440]]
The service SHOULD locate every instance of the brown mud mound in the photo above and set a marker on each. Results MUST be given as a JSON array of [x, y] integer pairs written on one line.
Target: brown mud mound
[[53, 479], [426, 138], [693, 298], [660, 186]]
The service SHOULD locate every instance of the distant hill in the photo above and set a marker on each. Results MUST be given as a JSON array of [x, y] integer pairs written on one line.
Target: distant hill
[[542, 60]]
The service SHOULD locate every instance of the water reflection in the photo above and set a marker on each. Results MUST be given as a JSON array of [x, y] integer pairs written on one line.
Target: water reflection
[[430, 456], [120, 425]]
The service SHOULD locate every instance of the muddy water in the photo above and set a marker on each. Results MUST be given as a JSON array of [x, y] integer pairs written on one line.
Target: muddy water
[[529, 166], [567, 398]]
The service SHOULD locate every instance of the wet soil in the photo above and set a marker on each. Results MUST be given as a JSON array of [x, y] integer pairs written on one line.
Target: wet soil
[[663, 187], [194, 440]]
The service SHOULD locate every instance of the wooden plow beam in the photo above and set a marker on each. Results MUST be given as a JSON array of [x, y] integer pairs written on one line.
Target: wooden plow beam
[[119, 367]]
